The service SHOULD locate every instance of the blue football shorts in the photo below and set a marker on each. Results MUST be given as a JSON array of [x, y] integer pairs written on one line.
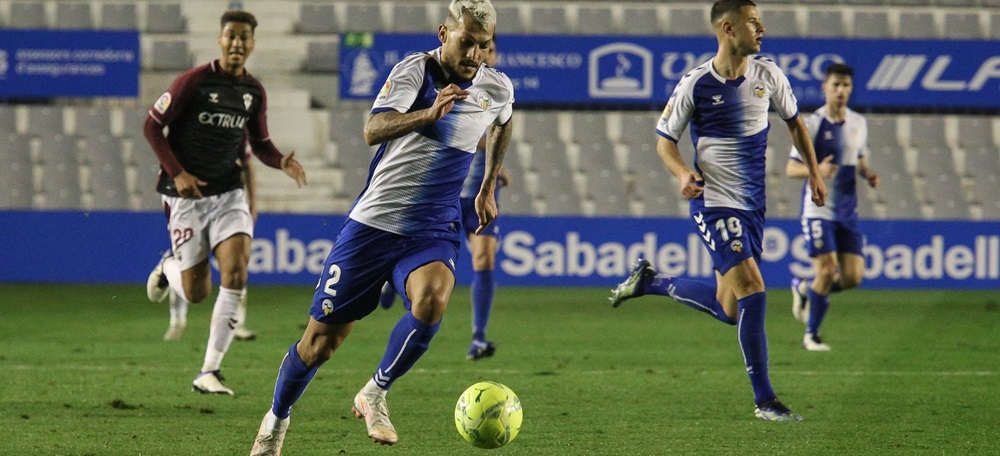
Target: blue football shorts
[[362, 260], [730, 235], [825, 236]]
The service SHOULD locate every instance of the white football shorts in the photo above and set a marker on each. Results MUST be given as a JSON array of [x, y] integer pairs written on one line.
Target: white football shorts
[[197, 225]]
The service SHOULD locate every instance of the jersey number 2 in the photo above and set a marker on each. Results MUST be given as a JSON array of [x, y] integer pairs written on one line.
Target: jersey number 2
[[334, 279]]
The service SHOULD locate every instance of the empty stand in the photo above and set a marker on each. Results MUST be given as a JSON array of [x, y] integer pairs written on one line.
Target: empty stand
[[539, 126], [93, 121], [509, 20], [917, 25], [45, 120], [825, 24], [105, 174], [165, 18], [28, 15], [170, 55], [641, 20], [319, 18], [962, 26], [16, 186], [595, 20], [74, 15], [975, 131], [871, 24], [781, 21], [409, 18], [589, 127], [363, 17], [934, 160], [322, 57], [928, 131], [8, 119], [689, 21], [549, 20], [119, 16], [981, 162], [60, 173]]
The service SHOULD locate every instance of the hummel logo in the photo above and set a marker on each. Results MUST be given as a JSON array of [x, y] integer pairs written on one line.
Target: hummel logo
[[213, 98], [717, 100]]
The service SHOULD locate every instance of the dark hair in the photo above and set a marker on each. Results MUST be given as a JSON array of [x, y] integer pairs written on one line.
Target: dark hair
[[239, 17], [839, 69], [722, 7]]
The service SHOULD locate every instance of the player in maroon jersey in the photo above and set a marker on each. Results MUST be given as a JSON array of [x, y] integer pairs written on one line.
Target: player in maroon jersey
[[211, 113]]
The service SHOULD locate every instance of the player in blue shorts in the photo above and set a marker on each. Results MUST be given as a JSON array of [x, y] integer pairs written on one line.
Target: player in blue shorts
[[726, 101], [404, 226], [840, 137], [483, 247]]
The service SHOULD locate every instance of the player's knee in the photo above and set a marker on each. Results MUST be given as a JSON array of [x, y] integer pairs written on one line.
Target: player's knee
[[196, 293], [826, 272], [429, 307], [850, 281], [315, 353]]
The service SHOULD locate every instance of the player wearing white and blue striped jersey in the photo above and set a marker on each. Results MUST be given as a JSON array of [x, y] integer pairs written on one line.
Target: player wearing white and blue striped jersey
[[725, 103], [404, 226], [834, 240]]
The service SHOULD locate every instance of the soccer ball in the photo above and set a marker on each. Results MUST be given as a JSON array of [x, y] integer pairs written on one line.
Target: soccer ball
[[488, 415]]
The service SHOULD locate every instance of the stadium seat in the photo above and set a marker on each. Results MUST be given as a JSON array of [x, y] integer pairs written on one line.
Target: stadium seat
[[995, 25], [106, 179], [916, 25], [165, 18], [45, 120], [509, 19], [119, 16], [561, 204], [982, 161], [958, 3], [596, 156], [825, 24], [638, 127], [664, 203], [28, 15], [688, 21], [931, 160], [882, 131], [322, 57], [886, 159], [348, 121], [609, 206], [170, 55], [409, 18], [146, 169], [871, 24], [363, 17], [975, 131], [950, 210], [985, 188], [540, 126], [133, 122], [74, 15], [16, 187], [897, 188], [8, 119], [588, 127], [93, 121], [548, 20], [605, 185], [317, 18], [928, 131], [546, 156], [60, 172], [595, 20], [514, 200], [781, 21], [903, 209], [962, 26], [942, 186], [641, 20]]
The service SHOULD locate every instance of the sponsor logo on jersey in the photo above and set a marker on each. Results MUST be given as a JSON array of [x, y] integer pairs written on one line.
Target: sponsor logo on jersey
[[163, 103], [384, 93], [213, 98], [247, 101], [222, 120]]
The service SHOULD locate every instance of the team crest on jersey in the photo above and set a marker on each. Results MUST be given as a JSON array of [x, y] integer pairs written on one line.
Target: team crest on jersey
[[828, 135], [327, 306], [247, 101], [737, 246], [384, 93], [162, 103], [483, 100], [818, 243], [758, 89], [213, 97]]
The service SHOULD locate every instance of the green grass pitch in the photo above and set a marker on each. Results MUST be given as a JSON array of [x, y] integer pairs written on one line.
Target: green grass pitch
[[84, 371]]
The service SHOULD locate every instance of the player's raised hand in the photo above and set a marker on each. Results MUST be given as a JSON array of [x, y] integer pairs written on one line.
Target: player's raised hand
[[446, 99], [187, 185], [691, 184], [827, 168], [293, 169], [486, 208]]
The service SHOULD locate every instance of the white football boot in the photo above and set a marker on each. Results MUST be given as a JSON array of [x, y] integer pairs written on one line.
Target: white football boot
[[372, 408], [270, 436], [210, 383]]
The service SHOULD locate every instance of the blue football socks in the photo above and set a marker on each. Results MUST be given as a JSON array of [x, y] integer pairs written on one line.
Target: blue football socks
[[753, 342], [696, 294], [293, 378], [818, 304], [407, 343], [482, 301]]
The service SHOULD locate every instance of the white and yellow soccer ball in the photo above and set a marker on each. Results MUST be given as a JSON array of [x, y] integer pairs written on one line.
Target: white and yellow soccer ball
[[488, 415]]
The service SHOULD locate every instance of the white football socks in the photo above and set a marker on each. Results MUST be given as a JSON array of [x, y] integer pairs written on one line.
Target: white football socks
[[224, 321], [178, 310], [172, 269]]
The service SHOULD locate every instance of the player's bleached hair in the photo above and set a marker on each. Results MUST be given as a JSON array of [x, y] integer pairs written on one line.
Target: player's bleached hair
[[725, 7], [482, 11], [839, 69], [239, 17]]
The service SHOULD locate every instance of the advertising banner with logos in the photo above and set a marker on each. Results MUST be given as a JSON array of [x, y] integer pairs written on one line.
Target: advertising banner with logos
[[642, 71], [122, 247], [77, 63]]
